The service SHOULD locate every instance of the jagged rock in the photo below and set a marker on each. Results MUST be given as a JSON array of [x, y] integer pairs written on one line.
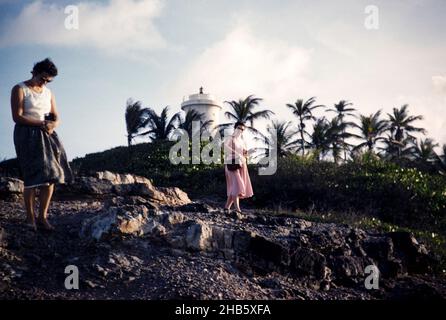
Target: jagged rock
[[196, 207], [347, 269], [236, 215], [269, 250], [11, 185], [153, 228], [139, 220], [326, 237], [172, 218], [310, 262], [130, 200], [92, 185], [280, 258], [114, 221], [117, 178], [199, 236], [414, 255], [242, 240], [378, 248], [173, 196], [3, 242], [392, 268], [355, 236], [10, 188], [302, 224], [410, 288], [223, 239], [127, 184], [108, 183]]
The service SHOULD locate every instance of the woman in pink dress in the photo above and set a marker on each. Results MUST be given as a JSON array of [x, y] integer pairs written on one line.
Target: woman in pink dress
[[238, 183]]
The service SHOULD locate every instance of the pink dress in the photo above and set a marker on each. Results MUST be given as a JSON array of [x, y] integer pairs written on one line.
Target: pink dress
[[238, 182]]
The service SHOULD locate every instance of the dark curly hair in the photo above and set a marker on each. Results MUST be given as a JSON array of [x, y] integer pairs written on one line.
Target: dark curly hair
[[239, 123], [46, 66]]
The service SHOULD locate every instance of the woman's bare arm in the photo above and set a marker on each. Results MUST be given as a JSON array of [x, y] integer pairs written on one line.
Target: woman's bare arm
[[17, 108], [53, 124]]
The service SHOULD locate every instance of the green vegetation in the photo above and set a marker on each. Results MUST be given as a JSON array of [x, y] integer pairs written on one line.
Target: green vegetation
[[375, 187]]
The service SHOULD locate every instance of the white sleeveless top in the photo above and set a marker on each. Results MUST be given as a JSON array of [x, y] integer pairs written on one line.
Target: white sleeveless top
[[35, 105]]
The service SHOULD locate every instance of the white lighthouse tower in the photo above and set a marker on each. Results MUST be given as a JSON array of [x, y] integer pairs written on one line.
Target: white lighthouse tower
[[206, 104]]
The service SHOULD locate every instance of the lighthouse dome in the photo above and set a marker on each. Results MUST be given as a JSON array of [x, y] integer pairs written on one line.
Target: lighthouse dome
[[206, 104]]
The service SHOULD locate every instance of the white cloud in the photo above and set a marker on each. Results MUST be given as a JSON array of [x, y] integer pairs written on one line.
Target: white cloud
[[431, 107], [118, 27], [439, 84], [242, 64]]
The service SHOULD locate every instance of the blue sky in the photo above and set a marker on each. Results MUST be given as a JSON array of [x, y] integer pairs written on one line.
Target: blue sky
[[159, 51]]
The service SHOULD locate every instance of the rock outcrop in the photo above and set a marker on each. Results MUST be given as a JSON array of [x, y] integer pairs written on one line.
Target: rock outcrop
[[318, 254], [133, 240], [10, 188], [105, 184]]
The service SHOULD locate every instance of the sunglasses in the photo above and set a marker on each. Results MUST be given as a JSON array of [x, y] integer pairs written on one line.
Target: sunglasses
[[46, 80]]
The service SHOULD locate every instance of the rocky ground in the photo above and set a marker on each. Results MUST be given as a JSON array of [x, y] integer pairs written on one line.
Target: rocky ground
[[131, 240]]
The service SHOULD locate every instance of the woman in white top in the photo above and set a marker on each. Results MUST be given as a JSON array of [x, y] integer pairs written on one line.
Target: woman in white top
[[40, 153]]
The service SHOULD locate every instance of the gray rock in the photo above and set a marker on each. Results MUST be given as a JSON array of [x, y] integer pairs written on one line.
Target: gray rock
[[414, 255], [268, 250], [199, 236], [348, 267], [10, 188], [114, 221], [378, 248], [310, 262], [3, 242], [196, 207], [11, 185], [109, 183], [153, 228]]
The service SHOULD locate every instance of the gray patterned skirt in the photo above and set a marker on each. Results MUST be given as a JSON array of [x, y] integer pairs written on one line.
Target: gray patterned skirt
[[41, 156]]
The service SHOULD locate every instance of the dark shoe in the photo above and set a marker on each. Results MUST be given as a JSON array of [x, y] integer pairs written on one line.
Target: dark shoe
[[31, 226], [45, 225], [237, 215]]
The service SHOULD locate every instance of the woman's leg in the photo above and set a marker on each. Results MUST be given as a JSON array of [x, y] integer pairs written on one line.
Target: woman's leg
[[229, 202], [237, 203], [29, 197], [44, 198]]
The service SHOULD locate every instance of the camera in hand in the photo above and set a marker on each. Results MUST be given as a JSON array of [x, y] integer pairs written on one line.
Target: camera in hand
[[50, 116]]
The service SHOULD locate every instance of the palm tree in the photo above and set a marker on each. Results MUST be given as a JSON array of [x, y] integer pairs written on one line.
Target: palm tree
[[282, 137], [303, 111], [441, 160], [320, 139], [341, 108], [243, 110], [392, 148], [400, 126], [371, 127], [336, 136], [424, 151], [160, 127], [135, 119], [189, 118]]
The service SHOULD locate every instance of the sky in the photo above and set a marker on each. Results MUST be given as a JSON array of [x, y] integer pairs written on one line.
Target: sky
[[159, 51]]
